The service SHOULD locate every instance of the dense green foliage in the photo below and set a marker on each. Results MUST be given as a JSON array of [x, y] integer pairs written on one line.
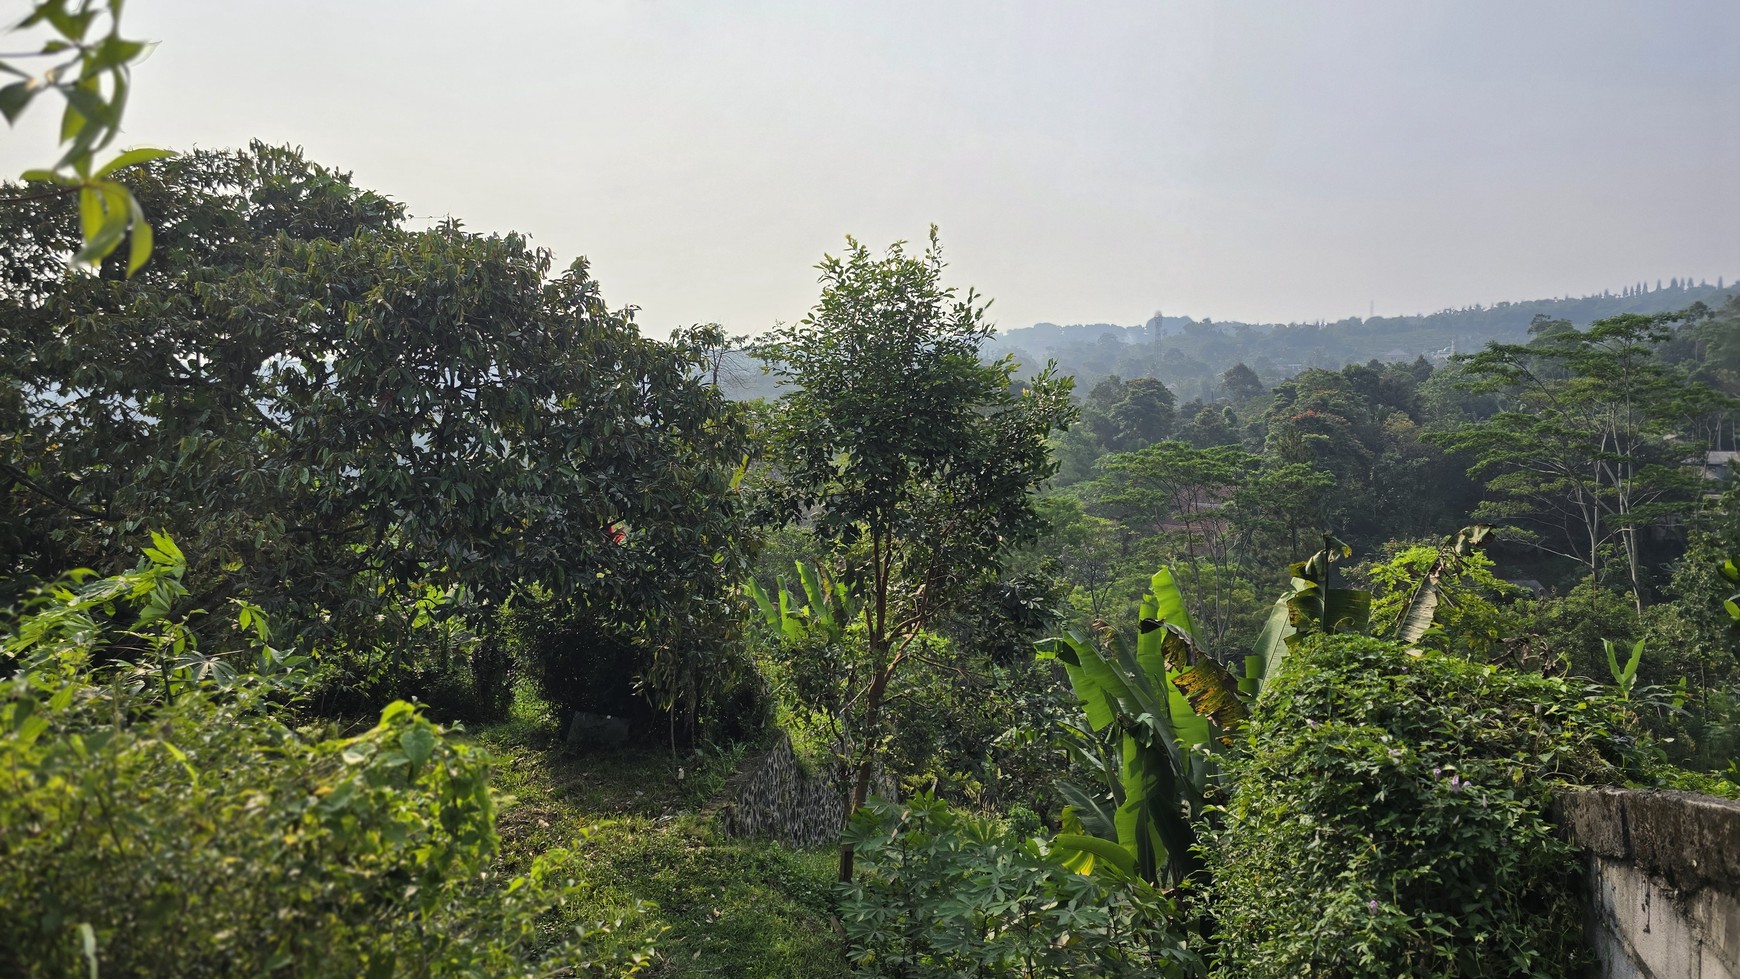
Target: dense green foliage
[[944, 894], [411, 427], [159, 816], [1390, 818], [445, 470]]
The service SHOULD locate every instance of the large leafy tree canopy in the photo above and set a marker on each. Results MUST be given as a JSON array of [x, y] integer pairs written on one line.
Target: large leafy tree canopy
[[915, 460], [341, 413]]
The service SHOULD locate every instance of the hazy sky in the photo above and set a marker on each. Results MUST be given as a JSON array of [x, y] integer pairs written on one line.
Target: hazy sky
[[1086, 161]]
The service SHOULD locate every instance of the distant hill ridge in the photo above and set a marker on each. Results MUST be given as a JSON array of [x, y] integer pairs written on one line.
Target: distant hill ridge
[[1496, 322], [1189, 354]]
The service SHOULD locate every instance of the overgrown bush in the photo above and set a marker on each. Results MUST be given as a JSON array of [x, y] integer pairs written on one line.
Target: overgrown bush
[[685, 678], [964, 727], [1390, 819], [162, 814], [941, 893], [450, 671]]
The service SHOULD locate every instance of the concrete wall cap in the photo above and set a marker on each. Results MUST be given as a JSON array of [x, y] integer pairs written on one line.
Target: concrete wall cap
[[1690, 840]]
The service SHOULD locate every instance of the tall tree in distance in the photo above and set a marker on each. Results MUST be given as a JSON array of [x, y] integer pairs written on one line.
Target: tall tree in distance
[[1144, 415], [1586, 453], [1241, 383], [914, 462]]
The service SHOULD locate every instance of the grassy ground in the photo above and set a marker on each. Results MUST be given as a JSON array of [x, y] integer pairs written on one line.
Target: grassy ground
[[719, 907]]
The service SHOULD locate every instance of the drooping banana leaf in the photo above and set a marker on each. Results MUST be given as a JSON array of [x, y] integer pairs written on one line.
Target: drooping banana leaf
[[1213, 693], [1272, 644], [1165, 651], [1347, 610], [1096, 813], [1088, 854], [1473, 537], [1416, 617]]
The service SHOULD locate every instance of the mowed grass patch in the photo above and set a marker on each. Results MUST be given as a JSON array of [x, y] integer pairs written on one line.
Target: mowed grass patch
[[719, 907]]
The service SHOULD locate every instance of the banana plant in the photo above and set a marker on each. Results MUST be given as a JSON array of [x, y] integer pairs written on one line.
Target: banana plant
[[1416, 618], [1162, 760], [1172, 706], [827, 605], [1624, 677], [1311, 605]]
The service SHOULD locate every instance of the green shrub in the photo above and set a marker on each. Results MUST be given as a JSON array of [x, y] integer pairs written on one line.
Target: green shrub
[[941, 893], [1389, 819], [160, 815], [582, 659]]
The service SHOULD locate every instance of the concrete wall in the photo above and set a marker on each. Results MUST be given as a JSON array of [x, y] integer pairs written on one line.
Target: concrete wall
[[1664, 880]]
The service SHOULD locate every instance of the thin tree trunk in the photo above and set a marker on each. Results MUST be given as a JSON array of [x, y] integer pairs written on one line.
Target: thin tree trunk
[[861, 778]]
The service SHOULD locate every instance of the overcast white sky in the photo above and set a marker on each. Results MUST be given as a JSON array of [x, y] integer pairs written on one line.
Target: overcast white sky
[[1086, 162]]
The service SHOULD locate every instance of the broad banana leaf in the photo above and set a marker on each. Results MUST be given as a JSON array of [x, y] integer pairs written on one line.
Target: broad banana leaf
[[1091, 753], [1088, 854], [1347, 610], [759, 595], [1151, 821], [1253, 676], [789, 623], [1096, 684], [1096, 813], [1272, 643], [1168, 602], [1417, 616], [825, 612]]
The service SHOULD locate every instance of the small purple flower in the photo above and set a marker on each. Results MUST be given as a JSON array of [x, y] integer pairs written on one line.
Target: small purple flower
[[1310, 723], [1455, 783], [1372, 906], [1395, 752], [1437, 772]]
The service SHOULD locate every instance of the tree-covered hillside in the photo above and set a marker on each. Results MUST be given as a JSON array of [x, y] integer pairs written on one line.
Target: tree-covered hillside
[[1190, 355]]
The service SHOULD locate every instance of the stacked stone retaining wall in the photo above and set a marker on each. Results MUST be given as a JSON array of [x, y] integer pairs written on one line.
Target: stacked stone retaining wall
[[773, 796]]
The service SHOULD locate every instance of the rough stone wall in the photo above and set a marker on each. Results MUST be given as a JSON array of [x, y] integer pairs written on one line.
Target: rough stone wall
[[772, 796], [1664, 880]]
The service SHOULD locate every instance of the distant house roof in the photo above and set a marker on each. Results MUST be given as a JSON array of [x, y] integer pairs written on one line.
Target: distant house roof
[[1720, 465], [1532, 584]]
